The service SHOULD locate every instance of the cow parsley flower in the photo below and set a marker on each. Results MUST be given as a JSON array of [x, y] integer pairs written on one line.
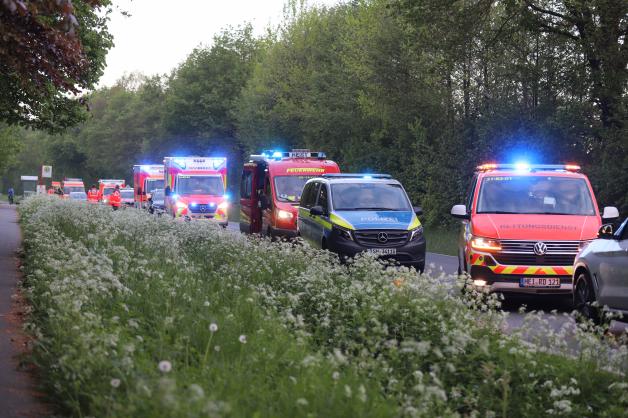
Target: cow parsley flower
[[165, 366], [242, 339], [115, 383], [213, 327]]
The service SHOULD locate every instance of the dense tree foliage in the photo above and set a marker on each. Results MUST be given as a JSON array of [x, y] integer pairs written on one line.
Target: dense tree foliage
[[423, 89], [50, 51]]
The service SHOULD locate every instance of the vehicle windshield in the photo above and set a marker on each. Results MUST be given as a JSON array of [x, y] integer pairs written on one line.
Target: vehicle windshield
[[126, 194], [72, 189], [552, 195], [201, 185], [78, 196], [289, 188], [369, 196], [152, 184], [158, 195], [108, 190]]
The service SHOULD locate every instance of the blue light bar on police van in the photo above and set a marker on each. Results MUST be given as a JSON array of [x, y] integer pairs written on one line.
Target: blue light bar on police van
[[528, 167]]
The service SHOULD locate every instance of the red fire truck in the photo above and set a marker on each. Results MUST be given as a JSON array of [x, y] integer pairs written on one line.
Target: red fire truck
[[107, 186], [271, 189], [195, 188], [146, 178], [72, 185]]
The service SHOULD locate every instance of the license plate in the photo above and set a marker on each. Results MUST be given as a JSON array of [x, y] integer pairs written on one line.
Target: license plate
[[539, 282], [382, 251]]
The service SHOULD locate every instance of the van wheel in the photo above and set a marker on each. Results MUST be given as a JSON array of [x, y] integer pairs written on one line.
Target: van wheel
[[584, 297]]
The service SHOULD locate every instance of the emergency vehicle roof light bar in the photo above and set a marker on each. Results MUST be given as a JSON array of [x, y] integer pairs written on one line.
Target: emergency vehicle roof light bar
[[531, 167], [295, 153], [356, 176], [72, 179]]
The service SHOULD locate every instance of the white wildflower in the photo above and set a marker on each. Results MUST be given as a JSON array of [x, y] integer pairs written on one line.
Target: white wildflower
[[115, 383], [165, 366], [213, 327]]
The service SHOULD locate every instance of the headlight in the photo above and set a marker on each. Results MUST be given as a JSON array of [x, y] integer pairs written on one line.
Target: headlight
[[343, 232], [181, 205], [223, 206], [485, 244], [416, 233], [284, 214]]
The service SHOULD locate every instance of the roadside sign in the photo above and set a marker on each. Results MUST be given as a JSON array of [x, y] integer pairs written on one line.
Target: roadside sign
[[46, 171]]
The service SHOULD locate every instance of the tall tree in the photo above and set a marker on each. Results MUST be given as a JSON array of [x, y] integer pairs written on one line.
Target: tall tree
[[50, 51]]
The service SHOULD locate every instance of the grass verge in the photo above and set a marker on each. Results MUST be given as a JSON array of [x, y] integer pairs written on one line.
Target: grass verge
[[442, 240], [142, 316]]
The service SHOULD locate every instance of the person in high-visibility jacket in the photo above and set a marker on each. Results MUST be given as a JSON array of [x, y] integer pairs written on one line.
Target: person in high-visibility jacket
[[92, 195], [115, 199]]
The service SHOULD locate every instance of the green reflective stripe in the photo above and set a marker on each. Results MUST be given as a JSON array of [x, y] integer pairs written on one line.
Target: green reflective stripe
[[415, 223], [303, 212], [323, 222], [340, 221]]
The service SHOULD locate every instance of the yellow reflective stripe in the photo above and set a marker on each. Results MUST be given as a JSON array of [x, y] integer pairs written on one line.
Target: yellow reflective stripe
[[335, 219], [415, 223]]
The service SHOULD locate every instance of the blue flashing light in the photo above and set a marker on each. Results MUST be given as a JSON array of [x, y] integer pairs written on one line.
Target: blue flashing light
[[175, 196], [193, 204], [227, 196], [277, 154], [522, 166], [212, 204], [368, 177]]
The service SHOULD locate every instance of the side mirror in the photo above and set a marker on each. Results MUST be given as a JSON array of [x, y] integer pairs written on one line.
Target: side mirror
[[418, 210], [610, 213], [460, 212], [606, 231], [317, 211]]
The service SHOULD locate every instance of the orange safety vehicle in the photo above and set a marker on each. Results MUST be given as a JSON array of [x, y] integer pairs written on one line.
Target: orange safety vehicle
[[106, 187], [195, 188], [146, 178], [522, 226], [72, 185], [271, 189]]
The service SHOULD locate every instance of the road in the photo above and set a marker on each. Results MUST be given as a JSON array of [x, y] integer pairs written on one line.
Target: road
[[440, 263], [18, 395]]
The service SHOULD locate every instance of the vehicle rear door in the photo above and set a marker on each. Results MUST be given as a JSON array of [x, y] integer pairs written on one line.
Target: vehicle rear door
[[249, 212], [613, 270]]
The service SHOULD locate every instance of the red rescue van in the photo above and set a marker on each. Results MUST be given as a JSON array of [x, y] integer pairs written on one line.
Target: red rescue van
[[522, 226], [72, 185], [146, 178], [106, 187], [195, 188], [271, 189]]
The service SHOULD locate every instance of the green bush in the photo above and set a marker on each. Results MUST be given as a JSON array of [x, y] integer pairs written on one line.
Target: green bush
[[123, 307]]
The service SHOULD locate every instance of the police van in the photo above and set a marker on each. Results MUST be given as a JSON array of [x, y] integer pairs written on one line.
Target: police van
[[353, 213]]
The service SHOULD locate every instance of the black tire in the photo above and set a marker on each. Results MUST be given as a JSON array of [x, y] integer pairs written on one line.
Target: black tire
[[419, 267], [584, 297]]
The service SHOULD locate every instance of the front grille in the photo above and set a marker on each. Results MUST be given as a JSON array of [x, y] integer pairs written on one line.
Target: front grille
[[203, 208], [553, 247], [558, 253], [371, 238], [534, 260]]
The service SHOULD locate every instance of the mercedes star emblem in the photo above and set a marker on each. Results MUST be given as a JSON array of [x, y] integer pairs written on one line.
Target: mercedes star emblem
[[382, 237]]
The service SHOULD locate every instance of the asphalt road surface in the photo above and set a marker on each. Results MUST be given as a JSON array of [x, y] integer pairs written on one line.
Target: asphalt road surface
[[18, 397]]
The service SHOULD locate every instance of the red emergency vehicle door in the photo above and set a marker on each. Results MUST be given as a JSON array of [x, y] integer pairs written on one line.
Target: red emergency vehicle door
[[250, 219]]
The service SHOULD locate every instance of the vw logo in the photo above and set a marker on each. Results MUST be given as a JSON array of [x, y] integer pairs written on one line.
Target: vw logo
[[540, 248], [203, 208], [382, 237]]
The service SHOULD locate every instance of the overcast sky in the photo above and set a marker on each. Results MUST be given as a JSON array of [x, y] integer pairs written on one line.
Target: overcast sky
[[159, 34]]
